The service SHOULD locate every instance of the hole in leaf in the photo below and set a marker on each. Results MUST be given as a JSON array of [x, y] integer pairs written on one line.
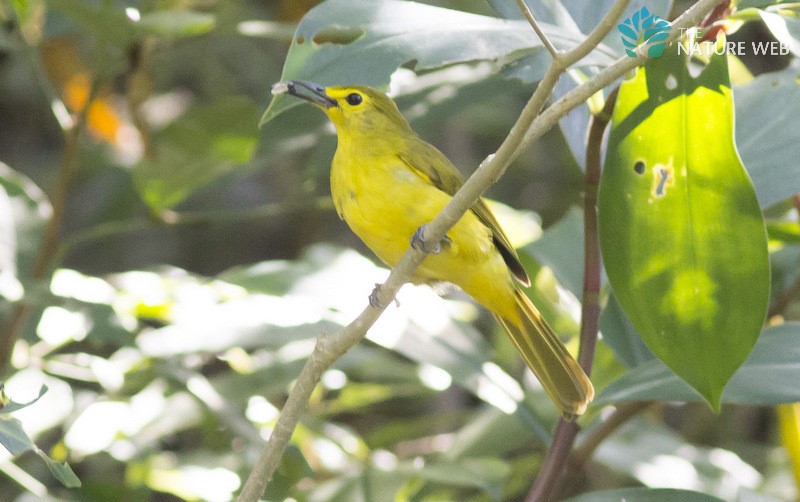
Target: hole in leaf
[[339, 36], [638, 167], [672, 82], [301, 40], [662, 182]]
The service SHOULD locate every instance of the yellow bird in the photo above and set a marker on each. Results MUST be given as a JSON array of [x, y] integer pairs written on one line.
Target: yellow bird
[[387, 183]]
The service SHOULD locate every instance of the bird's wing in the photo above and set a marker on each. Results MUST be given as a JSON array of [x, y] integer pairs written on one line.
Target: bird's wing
[[434, 166]]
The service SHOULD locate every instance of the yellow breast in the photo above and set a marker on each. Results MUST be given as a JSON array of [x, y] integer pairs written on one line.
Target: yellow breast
[[384, 202]]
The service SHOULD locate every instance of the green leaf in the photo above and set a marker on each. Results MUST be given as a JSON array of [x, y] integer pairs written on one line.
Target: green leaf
[[785, 231], [659, 457], [104, 20], [62, 472], [14, 439], [620, 334], [13, 436], [767, 135], [14, 406], [561, 249], [365, 41], [682, 234], [786, 28], [644, 495], [487, 474], [197, 149], [768, 377], [489, 432]]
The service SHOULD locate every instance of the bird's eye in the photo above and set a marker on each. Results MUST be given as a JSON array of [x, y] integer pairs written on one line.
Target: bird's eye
[[354, 99]]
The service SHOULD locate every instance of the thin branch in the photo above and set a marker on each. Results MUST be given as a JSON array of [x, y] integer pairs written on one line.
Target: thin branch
[[597, 34], [592, 265], [528, 127], [611, 73], [523, 7], [554, 461]]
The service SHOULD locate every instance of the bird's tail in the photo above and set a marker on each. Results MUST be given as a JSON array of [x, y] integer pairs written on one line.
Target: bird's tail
[[560, 375]]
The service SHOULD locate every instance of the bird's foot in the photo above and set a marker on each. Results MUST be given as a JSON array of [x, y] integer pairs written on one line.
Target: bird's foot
[[418, 242], [373, 297], [375, 302]]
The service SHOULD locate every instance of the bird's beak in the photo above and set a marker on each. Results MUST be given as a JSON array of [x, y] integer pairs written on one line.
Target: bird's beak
[[309, 91]]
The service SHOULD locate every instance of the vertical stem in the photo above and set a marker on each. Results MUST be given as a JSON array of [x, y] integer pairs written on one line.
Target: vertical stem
[[546, 484], [554, 462]]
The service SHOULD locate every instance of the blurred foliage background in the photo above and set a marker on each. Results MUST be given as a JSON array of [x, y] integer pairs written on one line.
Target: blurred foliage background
[[198, 256]]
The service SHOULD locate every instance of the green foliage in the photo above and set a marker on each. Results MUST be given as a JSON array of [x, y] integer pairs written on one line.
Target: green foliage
[[204, 144], [14, 439], [198, 259], [767, 377], [768, 107], [332, 36], [682, 234]]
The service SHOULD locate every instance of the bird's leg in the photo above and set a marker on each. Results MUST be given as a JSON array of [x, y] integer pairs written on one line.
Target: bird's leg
[[374, 301], [418, 242]]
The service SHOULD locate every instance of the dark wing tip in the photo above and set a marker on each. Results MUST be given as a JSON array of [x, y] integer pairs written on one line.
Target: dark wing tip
[[513, 263]]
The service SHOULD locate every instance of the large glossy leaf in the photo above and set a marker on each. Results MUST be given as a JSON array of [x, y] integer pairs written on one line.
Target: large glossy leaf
[[682, 234], [767, 136], [365, 41], [769, 376]]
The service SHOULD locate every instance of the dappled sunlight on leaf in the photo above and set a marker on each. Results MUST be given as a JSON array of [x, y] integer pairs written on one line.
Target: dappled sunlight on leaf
[[49, 410], [660, 458], [59, 326], [192, 482]]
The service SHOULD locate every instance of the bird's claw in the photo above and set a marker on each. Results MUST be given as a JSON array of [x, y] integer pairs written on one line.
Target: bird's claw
[[418, 242], [375, 302], [373, 297]]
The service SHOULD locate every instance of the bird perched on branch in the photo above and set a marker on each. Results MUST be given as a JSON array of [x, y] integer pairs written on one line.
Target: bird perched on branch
[[387, 184]]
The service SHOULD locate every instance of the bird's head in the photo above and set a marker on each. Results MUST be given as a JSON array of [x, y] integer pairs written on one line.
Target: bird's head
[[352, 109]]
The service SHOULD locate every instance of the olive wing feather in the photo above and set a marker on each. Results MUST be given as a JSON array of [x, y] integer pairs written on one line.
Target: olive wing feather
[[434, 166]]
